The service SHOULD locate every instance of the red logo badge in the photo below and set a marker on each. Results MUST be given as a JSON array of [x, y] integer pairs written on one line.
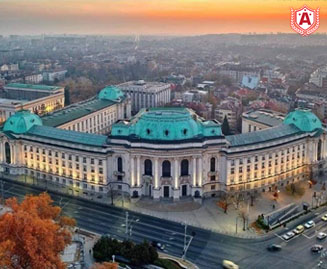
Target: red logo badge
[[305, 20]]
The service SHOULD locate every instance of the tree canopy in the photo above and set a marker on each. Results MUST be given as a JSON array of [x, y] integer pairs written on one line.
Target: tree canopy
[[33, 233], [225, 126]]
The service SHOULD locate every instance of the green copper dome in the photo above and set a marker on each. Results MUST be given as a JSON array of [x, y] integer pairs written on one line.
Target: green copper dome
[[166, 124], [303, 119], [111, 93], [21, 122]]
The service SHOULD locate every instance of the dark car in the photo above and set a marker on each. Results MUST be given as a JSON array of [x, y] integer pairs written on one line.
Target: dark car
[[274, 247], [317, 248]]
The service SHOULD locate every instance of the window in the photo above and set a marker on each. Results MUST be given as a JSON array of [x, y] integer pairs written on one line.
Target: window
[[213, 164], [240, 170], [148, 167], [84, 159], [166, 169], [92, 169], [120, 164], [232, 170], [76, 159], [184, 168], [100, 162], [100, 170], [92, 161]]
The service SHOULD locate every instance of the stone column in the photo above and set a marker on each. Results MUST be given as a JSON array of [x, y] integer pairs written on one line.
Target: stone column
[[176, 188], [200, 172], [138, 171], [132, 172], [156, 190], [194, 171]]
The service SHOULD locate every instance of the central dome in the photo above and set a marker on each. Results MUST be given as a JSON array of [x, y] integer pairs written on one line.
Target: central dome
[[171, 123]]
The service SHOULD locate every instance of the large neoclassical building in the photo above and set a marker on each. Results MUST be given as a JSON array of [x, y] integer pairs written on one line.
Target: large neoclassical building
[[165, 153]]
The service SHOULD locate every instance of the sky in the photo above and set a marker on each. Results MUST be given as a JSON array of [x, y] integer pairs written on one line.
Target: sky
[[151, 17]]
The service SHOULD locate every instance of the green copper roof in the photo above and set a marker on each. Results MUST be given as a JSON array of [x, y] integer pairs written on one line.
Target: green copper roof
[[266, 135], [34, 87], [170, 123], [67, 136], [75, 111], [111, 93], [21, 122], [303, 119]]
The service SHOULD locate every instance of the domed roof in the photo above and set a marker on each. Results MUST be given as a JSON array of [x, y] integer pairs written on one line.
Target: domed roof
[[167, 124], [21, 122], [303, 119], [111, 93]]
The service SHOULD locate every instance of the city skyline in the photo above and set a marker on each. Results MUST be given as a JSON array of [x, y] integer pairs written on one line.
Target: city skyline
[[126, 17]]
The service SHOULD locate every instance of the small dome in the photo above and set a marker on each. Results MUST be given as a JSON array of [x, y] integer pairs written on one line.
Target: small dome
[[21, 122], [303, 119], [111, 93]]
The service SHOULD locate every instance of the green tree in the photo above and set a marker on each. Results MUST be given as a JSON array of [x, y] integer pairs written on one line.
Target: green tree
[[67, 96], [225, 126]]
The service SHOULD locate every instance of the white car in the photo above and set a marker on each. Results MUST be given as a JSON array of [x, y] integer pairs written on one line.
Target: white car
[[229, 265], [321, 236], [309, 224], [288, 235]]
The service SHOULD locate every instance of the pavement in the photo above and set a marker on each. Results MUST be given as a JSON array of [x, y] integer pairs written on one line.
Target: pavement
[[206, 248]]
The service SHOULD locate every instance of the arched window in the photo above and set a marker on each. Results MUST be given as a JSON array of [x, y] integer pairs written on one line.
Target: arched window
[[120, 164], [8, 153], [319, 150], [212, 164], [184, 168], [166, 169], [148, 167]]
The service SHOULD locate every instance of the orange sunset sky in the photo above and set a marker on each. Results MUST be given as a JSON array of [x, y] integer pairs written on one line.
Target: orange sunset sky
[[172, 17]]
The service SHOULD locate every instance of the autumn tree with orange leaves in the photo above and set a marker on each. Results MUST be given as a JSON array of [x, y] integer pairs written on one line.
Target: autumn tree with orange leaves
[[33, 233]]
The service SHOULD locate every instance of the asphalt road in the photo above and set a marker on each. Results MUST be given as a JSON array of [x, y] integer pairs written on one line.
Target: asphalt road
[[206, 249]]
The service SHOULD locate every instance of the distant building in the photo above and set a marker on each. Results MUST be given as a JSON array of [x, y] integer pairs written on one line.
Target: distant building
[[230, 108], [250, 82], [146, 94], [319, 77], [52, 76], [39, 99], [256, 120], [34, 79]]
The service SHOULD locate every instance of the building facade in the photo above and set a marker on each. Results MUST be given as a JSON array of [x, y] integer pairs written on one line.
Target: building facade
[[146, 94], [39, 99], [166, 153], [95, 115]]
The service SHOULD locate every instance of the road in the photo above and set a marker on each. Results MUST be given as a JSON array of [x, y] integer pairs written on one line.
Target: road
[[207, 249]]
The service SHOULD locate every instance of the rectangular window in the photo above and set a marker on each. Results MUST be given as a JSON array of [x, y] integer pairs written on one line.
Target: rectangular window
[[84, 159]]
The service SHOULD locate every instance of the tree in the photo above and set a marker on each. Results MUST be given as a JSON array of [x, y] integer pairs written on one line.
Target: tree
[[225, 126], [67, 95], [33, 234]]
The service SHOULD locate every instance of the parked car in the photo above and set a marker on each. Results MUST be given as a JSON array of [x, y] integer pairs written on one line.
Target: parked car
[[158, 245], [229, 265], [288, 235], [324, 217], [317, 248], [299, 229], [321, 236], [309, 224], [274, 247]]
